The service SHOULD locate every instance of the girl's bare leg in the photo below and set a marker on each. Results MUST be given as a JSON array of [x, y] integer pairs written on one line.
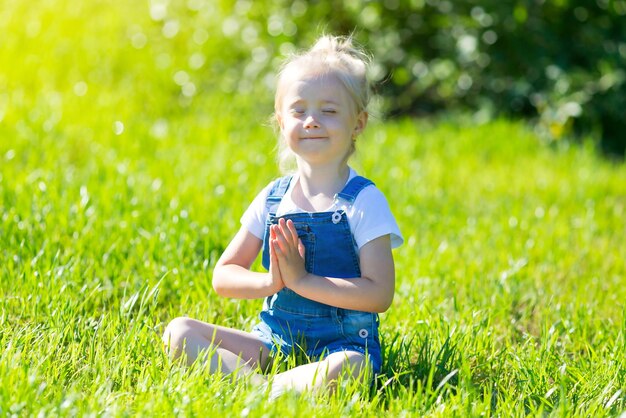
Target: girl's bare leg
[[233, 350], [322, 374]]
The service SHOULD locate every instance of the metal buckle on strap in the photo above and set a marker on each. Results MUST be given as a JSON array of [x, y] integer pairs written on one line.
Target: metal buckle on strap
[[337, 214]]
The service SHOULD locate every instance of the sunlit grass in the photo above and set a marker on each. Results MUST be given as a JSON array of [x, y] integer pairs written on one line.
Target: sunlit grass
[[119, 189]]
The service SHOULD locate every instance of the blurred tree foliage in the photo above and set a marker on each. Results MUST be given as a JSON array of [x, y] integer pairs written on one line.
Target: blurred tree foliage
[[562, 62]]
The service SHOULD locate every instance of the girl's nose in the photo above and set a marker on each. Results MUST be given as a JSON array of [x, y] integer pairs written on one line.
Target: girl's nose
[[311, 122]]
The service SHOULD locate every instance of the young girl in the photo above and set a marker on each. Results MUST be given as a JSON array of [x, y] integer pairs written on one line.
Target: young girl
[[326, 235]]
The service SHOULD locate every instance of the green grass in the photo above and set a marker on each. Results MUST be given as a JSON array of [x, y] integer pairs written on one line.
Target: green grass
[[510, 295]]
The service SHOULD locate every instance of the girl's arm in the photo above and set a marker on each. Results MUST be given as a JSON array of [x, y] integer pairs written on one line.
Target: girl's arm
[[232, 276], [372, 292]]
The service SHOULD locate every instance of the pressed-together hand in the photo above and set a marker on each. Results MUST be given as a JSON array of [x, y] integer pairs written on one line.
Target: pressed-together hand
[[274, 271], [289, 252]]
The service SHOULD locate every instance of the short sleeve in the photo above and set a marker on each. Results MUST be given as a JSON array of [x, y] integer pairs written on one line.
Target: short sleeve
[[253, 219], [372, 218]]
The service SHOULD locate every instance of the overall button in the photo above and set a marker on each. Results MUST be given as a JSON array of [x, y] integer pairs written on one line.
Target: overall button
[[363, 333], [336, 217]]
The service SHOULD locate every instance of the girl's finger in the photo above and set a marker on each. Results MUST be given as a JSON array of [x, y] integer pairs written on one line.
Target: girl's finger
[[276, 233], [281, 226], [274, 265], [301, 248], [286, 231], [294, 233], [277, 250], [271, 245], [281, 242], [282, 231], [275, 229]]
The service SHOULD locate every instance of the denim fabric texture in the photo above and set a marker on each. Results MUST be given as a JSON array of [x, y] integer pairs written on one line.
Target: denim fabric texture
[[291, 322]]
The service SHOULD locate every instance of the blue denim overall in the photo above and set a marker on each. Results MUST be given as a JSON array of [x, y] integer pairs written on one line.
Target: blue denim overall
[[290, 321]]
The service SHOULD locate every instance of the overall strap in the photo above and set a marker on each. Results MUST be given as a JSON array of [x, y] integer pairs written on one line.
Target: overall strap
[[278, 190], [353, 188]]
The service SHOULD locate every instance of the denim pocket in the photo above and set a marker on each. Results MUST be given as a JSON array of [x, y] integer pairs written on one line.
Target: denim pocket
[[360, 327]]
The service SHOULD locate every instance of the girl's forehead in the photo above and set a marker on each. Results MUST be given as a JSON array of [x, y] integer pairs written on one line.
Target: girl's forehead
[[311, 77], [314, 84]]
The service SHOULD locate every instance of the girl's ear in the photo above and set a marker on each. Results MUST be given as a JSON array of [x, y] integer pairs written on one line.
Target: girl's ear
[[361, 122], [279, 120]]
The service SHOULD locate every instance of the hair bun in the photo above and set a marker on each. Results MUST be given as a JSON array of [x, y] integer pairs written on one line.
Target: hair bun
[[328, 44]]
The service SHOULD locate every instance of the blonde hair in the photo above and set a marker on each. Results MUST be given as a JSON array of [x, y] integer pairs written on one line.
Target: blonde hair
[[336, 55]]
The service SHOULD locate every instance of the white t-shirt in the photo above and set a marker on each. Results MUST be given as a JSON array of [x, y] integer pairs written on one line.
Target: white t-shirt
[[369, 216]]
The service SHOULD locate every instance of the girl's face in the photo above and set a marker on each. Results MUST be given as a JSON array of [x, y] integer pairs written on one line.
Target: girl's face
[[318, 120]]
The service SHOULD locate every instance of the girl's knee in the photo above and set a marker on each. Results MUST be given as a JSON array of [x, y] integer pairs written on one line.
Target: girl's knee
[[351, 362], [175, 334], [343, 358]]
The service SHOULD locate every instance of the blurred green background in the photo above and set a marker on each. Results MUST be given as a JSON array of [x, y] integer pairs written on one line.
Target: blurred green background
[[560, 64]]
